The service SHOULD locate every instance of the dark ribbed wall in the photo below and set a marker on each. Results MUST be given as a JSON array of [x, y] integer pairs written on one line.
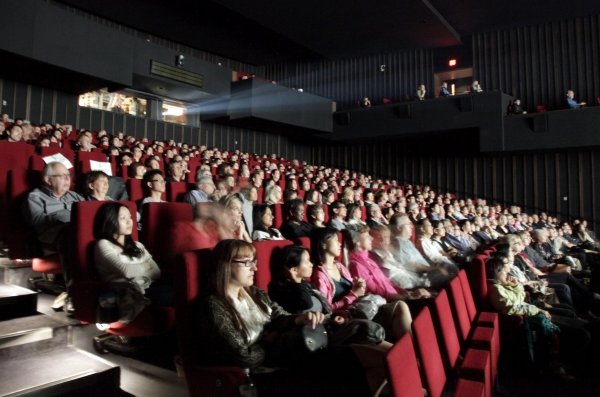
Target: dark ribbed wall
[[41, 105], [539, 63], [536, 181], [346, 81]]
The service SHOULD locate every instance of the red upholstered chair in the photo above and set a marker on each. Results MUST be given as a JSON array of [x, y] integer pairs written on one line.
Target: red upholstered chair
[[470, 334], [135, 189], [86, 286], [84, 158], [65, 151], [305, 242], [201, 381], [277, 215], [157, 219], [267, 252], [260, 194], [432, 366], [476, 364], [403, 370], [176, 191]]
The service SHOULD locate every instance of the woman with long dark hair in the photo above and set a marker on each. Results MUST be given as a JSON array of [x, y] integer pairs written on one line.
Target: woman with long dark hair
[[123, 263], [263, 224]]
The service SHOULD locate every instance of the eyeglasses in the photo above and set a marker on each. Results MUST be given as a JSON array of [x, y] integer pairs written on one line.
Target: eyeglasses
[[65, 176], [248, 263]]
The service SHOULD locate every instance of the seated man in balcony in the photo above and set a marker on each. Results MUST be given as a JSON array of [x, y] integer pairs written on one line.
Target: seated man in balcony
[[444, 90], [205, 187], [571, 102]]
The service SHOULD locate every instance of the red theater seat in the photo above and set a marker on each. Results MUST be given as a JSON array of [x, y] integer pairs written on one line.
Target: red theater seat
[[267, 252]]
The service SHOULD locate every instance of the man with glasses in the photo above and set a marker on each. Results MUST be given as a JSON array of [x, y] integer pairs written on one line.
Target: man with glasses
[[48, 210], [49, 206], [205, 187]]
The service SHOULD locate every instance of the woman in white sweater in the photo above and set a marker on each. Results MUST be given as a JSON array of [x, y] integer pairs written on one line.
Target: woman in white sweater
[[124, 263]]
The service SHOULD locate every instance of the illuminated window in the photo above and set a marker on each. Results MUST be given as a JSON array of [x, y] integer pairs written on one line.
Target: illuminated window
[[119, 102], [174, 112]]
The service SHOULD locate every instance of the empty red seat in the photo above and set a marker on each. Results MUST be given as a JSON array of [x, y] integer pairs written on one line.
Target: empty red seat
[[267, 252], [176, 191]]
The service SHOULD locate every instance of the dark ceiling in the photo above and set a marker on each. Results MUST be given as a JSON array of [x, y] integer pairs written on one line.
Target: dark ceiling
[[266, 31]]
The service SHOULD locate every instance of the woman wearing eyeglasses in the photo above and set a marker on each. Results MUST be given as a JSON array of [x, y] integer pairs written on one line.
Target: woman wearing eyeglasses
[[239, 325]]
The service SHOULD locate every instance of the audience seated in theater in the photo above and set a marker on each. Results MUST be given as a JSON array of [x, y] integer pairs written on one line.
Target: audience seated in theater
[[208, 228], [235, 225], [295, 226], [248, 196], [550, 259], [48, 207], [421, 92], [205, 187], [263, 224], [137, 170], [337, 215], [516, 107], [316, 216], [273, 195], [96, 183], [354, 215], [311, 197], [84, 142], [375, 216], [394, 315], [382, 255], [571, 102], [237, 324], [508, 297], [432, 251], [15, 134], [290, 288], [408, 257], [126, 265], [444, 90], [154, 187], [175, 172]]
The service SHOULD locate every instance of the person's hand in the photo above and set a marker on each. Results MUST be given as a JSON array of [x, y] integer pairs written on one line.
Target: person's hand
[[310, 318], [419, 293], [546, 314], [359, 286]]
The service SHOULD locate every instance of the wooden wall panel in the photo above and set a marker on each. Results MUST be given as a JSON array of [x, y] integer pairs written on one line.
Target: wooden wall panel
[[346, 81], [540, 63]]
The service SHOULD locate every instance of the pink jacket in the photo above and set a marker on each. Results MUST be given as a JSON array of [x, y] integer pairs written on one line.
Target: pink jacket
[[361, 265], [324, 283]]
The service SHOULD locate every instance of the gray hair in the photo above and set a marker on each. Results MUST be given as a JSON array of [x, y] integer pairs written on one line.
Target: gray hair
[[49, 168]]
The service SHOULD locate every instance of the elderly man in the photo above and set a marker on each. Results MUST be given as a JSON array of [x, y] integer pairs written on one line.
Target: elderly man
[[205, 187], [48, 210], [49, 206], [409, 257]]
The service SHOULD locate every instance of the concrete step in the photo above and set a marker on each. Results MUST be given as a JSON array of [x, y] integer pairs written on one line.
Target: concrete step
[[17, 272], [16, 301], [63, 371], [31, 335]]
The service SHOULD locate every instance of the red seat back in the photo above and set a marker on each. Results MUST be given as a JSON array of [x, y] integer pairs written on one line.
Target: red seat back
[[84, 159], [176, 191], [135, 189], [267, 252], [403, 370], [457, 302], [449, 344], [278, 215], [468, 295], [158, 218], [479, 282], [429, 353]]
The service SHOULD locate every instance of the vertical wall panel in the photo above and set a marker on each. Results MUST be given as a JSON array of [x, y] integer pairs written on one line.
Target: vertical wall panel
[[539, 63], [346, 81]]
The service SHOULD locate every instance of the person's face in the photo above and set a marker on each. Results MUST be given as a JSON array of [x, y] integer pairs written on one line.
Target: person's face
[[320, 215], [59, 180], [15, 134], [305, 268], [298, 213], [252, 195], [126, 160], [235, 210], [267, 218], [342, 210], [45, 142], [365, 241], [428, 228], [333, 246], [99, 187], [243, 267], [208, 187], [140, 171], [467, 227], [157, 184], [125, 222], [381, 239], [502, 275]]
